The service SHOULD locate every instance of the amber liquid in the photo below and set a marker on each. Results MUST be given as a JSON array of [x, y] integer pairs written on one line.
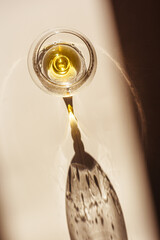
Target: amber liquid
[[63, 63]]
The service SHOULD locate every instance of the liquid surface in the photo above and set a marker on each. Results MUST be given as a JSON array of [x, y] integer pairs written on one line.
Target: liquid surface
[[62, 64]]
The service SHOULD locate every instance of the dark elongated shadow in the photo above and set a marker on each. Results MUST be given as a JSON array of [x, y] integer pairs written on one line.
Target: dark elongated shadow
[[81, 158], [92, 206]]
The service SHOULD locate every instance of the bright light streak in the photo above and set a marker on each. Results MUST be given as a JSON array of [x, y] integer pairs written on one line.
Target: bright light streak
[[71, 115]]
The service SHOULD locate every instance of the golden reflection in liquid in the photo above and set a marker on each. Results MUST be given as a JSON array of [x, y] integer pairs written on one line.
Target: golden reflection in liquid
[[62, 63]]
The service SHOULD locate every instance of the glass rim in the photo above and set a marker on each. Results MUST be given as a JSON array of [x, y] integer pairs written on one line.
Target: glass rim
[[36, 72]]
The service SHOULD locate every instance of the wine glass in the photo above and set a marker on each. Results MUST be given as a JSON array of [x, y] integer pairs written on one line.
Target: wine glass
[[61, 62]]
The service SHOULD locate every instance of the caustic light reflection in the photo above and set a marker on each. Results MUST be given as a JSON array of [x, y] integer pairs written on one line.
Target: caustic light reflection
[[61, 65], [92, 206]]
